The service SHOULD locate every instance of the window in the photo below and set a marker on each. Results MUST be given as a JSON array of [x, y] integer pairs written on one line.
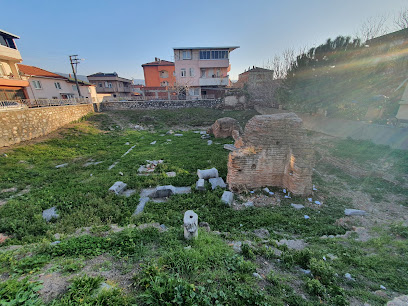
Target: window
[[186, 54], [202, 73], [120, 84], [191, 72], [165, 83], [164, 74], [74, 87], [194, 91], [108, 85], [100, 85], [36, 84], [218, 73], [213, 54], [183, 72], [57, 85], [7, 41]]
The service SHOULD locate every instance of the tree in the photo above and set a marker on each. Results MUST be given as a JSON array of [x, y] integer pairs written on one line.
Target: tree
[[372, 27], [401, 20]]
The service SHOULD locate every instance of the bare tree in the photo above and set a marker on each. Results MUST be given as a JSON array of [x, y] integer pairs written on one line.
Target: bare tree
[[401, 20], [372, 27]]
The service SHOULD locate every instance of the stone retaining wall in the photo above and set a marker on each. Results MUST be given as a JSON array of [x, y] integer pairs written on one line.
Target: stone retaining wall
[[17, 125], [126, 105]]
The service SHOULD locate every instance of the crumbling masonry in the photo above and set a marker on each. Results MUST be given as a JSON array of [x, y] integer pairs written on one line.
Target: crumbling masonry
[[274, 151]]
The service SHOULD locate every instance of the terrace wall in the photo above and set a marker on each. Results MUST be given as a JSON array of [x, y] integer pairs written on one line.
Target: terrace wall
[[17, 125], [126, 105]]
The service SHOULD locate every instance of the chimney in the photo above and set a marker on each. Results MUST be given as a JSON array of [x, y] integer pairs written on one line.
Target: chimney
[[155, 59], [253, 67]]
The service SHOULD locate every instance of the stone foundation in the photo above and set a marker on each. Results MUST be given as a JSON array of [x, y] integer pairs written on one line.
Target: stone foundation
[[274, 151]]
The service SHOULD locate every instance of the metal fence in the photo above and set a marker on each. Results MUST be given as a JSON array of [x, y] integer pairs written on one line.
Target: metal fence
[[31, 103]]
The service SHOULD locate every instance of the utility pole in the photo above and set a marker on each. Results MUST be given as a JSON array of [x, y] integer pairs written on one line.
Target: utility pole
[[74, 61]]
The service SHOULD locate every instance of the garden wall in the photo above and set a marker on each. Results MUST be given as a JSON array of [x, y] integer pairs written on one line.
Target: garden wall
[[17, 125], [126, 105]]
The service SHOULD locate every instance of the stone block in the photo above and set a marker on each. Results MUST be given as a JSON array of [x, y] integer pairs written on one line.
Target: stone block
[[141, 205], [354, 212], [217, 182], [164, 191], [227, 197], [224, 127], [207, 174], [229, 147], [171, 174], [50, 213], [118, 187], [200, 185]]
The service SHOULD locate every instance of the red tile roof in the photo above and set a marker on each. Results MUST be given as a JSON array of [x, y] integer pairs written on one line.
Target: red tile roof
[[159, 63], [35, 71]]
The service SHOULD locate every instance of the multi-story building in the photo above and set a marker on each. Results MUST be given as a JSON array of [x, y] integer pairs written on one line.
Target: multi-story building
[[203, 71], [110, 84], [48, 85], [12, 84], [159, 73]]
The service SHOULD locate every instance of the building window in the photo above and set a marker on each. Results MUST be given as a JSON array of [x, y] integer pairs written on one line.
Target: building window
[[186, 54], [108, 85], [202, 73], [165, 83], [57, 85], [164, 74], [36, 84], [74, 87], [191, 72], [218, 73], [213, 54], [100, 85], [183, 72], [194, 91], [120, 84]]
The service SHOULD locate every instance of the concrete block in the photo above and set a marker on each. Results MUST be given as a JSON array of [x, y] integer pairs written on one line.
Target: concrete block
[[354, 212], [164, 191], [190, 221], [141, 205]]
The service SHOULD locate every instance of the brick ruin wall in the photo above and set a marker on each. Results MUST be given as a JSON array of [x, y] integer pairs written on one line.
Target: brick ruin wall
[[17, 125], [274, 151]]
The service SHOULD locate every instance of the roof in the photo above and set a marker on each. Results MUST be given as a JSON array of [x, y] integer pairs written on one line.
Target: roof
[[257, 69], [230, 48], [35, 71], [390, 36], [107, 75], [101, 74], [9, 34], [159, 63]]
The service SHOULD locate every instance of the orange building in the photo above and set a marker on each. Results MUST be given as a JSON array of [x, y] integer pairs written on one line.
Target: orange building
[[12, 83], [159, 73]]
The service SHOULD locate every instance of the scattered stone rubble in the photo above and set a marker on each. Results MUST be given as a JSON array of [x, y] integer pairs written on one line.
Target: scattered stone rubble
[[150, 166], [158, 194], [225, 127], [120, 188], [274, 151]]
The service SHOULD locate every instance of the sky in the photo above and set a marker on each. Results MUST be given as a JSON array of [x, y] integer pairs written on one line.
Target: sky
[[120, 36]]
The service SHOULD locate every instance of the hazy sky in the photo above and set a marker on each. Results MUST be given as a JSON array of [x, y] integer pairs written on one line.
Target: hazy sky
[[122, 35]]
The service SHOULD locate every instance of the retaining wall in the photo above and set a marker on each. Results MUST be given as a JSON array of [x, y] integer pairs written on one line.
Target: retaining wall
[[126, 105], [17, 125]]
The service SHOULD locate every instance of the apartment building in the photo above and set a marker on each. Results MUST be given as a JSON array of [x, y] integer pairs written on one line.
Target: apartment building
[[48, 85], [203, 71], [12, 84], [110, 84], [159, 73]]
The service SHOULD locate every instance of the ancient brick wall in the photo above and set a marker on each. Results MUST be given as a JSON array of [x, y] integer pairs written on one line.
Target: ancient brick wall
[[274, 151], [17, 125], [225, 127]]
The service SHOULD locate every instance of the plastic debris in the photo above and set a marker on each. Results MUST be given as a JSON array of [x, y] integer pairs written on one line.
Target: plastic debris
[[306, 217], [318, 202], [153, 142]]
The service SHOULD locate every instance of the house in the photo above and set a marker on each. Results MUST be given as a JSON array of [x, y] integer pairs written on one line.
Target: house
[[48, 85], [12, 84], [202, 71], [253, 77], [159, 73], [111, 85]]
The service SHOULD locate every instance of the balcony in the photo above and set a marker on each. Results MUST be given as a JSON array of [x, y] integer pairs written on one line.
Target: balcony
[[214, 81], [10, 54], [16, 81], [218, 63]]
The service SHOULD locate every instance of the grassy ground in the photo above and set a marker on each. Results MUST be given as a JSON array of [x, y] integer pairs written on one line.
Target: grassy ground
[[151, 266]]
